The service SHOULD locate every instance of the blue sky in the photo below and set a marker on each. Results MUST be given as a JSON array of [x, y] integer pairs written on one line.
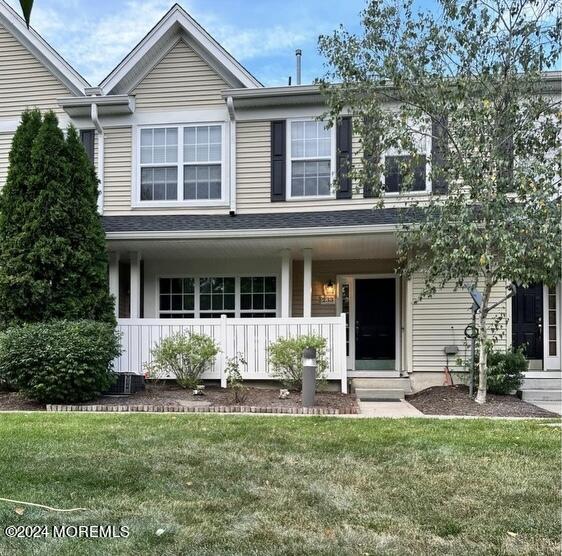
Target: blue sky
[[262, 34]]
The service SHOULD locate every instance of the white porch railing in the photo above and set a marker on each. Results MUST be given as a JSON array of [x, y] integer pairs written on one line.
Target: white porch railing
[[249, 337]]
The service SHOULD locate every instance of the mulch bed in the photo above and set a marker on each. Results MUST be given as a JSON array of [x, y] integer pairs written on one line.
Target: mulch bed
[[173, 398], [13, 401], [454, 400]]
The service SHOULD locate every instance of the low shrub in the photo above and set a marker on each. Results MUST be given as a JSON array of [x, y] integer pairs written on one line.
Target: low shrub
[[285, 358], [183, 356], [234, 380], [60, 361], [505, 371]]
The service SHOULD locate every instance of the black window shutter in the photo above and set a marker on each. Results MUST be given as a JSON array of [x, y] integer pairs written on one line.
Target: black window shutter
[[344, 157], [87, 138], [438, 153], [278, 160]]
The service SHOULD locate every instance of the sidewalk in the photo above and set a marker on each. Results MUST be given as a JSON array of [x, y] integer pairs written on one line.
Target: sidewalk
[[399, 408]]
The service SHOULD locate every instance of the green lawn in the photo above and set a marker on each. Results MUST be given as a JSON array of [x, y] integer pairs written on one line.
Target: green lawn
[[280, 485]]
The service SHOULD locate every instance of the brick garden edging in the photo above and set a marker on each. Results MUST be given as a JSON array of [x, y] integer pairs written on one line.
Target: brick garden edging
[[200, 409]]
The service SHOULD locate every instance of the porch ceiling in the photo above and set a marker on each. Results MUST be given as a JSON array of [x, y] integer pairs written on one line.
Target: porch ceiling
[[359, 246]]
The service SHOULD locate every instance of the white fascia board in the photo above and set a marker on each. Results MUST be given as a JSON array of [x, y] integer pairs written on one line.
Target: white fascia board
[[178, 15], [266, 92], [175, 117], [77, 107], [113, 100], [258, 233], [41, 50]]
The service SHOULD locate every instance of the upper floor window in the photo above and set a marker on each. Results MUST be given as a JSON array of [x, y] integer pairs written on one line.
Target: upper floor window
[[397, 168], [181, 163], [158, 158], [202, 147], [311, 159]]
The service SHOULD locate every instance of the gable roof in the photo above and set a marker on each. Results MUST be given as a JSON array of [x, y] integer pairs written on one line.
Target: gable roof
[[41, 49], [176, 23]]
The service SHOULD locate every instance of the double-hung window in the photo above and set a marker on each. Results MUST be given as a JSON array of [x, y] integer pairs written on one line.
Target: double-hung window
[[181, 164], [159, 164], [311, 159], [404, 169], [202, 155]]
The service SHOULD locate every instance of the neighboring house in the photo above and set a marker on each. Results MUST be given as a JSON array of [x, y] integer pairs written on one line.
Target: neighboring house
[[217, 200]]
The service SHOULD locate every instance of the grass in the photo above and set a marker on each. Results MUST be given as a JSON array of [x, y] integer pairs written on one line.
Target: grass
[[280, 485]]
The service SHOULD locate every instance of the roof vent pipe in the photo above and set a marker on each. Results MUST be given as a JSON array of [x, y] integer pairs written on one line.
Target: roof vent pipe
[[299, 57]]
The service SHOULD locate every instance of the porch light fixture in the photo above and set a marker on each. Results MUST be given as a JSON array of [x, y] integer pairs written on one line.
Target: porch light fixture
[[329, 297], [329, 289]]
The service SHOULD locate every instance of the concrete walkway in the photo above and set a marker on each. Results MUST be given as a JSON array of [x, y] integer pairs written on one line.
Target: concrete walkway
[[555, 407], [399, 408]]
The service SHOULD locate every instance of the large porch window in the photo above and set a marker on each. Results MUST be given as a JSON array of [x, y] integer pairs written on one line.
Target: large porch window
[[258, 297], [217, 297], [177, 298], [213, 296]]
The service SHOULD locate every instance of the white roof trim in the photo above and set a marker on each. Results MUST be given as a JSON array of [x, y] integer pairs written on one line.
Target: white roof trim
[[254, 233], [178, 16], [41, 50]]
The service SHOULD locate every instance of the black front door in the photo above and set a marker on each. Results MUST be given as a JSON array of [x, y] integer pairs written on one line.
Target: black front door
[[527, 316], [375, 323]]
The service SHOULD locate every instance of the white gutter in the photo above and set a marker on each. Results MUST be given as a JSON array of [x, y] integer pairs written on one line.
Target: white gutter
[[257, 233], [101, 148], [232, 170]]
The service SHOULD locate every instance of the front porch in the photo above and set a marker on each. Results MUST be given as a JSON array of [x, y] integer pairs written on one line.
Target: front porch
[[246, 293]]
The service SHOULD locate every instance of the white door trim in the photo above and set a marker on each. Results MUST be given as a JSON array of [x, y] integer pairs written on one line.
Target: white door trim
[[350, 279], [552, 362]]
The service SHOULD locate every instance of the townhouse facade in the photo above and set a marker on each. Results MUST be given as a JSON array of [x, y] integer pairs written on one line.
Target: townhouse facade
[[217, 200]]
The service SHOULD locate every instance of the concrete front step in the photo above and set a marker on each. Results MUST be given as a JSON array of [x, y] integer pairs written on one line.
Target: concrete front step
[[554, 383], [365, 394], [529, 395], [381, 383], [543, 374]]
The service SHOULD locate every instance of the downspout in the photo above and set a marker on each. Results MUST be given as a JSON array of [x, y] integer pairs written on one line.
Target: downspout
[[232, 169], [101, 148]]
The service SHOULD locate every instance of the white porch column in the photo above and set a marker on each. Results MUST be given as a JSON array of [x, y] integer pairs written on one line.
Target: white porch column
[[285, 283], [135, 285], [307, 283], [114, 279]]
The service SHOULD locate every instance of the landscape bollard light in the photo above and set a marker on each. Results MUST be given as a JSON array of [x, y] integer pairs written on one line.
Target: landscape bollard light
[[308, 377]]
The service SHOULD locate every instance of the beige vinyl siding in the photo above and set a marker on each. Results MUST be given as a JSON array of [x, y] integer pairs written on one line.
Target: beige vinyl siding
[[118, 167], [181, 79], [441, 320], [322, 271], [253, 164], [5, 145], [24, 81]]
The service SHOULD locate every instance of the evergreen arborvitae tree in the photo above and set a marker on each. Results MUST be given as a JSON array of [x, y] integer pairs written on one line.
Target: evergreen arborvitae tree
[[88, 262], [16, 282], [53, 262]]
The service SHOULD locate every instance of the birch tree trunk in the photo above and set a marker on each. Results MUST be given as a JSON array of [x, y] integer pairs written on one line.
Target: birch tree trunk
[[482, 346]]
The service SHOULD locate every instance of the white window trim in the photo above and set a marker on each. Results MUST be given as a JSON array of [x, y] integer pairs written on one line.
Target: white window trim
[[237, 292], [288, 170], [180, 202]]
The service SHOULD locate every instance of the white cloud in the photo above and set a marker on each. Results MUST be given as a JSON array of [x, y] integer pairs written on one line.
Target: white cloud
[[95, 44]]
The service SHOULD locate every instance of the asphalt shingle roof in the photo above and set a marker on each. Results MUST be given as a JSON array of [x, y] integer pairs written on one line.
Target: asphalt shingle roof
[[262, 221]]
